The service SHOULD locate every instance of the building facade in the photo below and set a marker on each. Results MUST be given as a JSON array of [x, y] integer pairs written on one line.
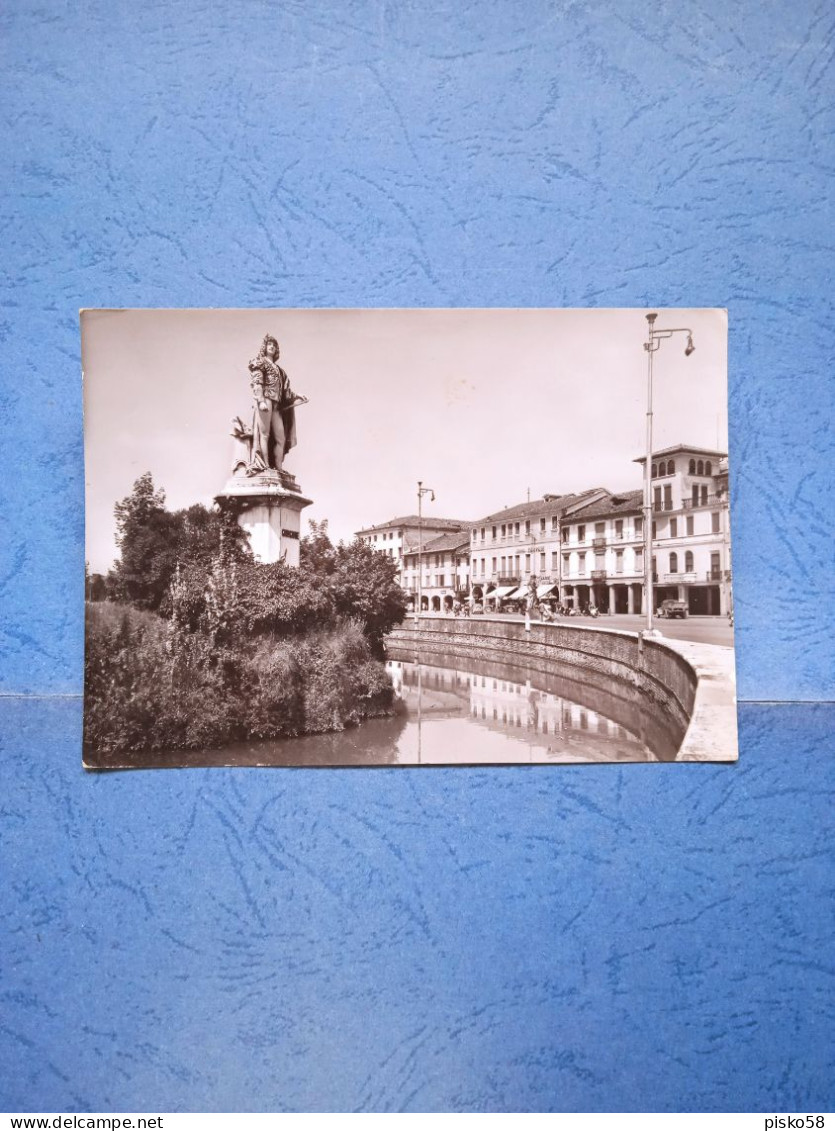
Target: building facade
[[691, 535], [602, 555], [403, 535], [602, 551], [511, 546], [445, 576], [583, 549]]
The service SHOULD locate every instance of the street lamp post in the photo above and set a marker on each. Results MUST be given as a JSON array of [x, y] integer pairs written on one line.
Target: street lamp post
[[653, 343], [421, 491]]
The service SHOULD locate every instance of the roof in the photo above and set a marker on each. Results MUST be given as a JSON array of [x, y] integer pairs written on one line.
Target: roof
[[683, 448], [426, 521], [455, 540], [536, 508], [626, 502]]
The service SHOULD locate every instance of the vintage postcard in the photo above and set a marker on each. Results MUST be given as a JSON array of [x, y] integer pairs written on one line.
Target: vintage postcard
[[402, 537]]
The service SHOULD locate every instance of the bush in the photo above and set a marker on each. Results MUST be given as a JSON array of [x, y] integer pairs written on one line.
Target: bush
[[240, 650], [142, 693], [361, 582], [154, 685], [277, 600], [168, 559], [343, 683]]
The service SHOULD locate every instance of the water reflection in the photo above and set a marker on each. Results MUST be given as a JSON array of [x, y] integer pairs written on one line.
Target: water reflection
[[471, 712], [505, 713], [372, 744]]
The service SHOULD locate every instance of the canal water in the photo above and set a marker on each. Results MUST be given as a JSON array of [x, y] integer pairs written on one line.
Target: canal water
[[453, 711]]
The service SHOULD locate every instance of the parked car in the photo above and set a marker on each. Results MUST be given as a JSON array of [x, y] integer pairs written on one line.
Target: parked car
[[672, 608], [477, 607]]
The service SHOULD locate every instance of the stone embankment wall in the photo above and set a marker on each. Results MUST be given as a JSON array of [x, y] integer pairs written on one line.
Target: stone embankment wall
[[692, 684]]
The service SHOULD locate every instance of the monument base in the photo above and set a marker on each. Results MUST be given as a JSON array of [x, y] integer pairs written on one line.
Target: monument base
[[268, 507]]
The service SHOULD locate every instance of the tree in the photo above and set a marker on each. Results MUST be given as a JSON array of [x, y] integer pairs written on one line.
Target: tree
[[365, 587], [138, 507], [362, 582], [281, 601], [95, 585], [316, 552], [204, 533], [145, 534], [153, 540]]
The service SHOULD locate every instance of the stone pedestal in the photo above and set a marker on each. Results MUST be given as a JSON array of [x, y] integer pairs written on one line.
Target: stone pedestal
[[268, 507]]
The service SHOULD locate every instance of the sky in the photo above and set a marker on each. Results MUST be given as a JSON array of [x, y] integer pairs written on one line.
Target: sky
[[483, 406]]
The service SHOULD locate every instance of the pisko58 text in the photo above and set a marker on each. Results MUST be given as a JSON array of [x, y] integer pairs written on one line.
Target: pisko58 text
[[777, 1122]]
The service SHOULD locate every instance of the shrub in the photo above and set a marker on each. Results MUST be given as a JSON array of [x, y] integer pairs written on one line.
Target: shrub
[[156, 685]]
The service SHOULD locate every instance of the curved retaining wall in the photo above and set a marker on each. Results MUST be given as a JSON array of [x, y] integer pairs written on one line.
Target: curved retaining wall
[[692, 684]]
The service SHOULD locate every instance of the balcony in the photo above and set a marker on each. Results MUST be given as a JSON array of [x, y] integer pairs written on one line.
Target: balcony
[[598, 575], [718, 575], [598, 543], [667, 505], [693, 504], [506, 578]]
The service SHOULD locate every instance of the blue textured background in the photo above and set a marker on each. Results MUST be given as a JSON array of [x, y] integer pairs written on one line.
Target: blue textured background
[[574, 938], [590, 938]]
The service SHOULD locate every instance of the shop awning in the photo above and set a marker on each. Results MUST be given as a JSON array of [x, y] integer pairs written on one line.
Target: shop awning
[[502, 592], [544, 590]]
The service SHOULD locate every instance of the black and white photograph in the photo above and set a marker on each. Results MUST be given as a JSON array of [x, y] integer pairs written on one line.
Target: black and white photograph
[[407, 537]]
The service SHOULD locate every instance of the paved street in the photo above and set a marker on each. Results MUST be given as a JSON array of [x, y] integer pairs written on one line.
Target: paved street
[[700, 630]]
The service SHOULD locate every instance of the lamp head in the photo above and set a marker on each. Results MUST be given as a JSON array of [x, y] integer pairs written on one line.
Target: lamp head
[[431, 496], [689, 348]]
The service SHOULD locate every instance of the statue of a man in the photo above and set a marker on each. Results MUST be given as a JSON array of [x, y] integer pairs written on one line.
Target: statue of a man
[[532, 601], [274, 417]]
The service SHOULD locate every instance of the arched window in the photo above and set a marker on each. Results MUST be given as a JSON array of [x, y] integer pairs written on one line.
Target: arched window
[[671, 467], [688, 561], [708, 468], [692, 467], [654, 470], [700, 468], [674, 563]]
